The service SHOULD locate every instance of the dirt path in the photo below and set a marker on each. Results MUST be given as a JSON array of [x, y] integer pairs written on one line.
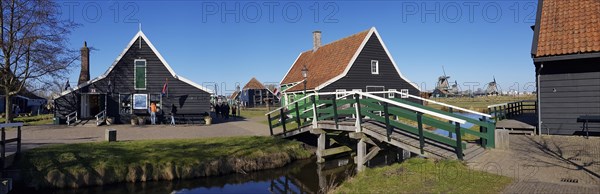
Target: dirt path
[[34, 136]]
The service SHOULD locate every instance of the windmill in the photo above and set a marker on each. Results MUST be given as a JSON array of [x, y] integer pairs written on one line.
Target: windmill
[[443, 87], [454, 90], [492, 88], [442, 83]]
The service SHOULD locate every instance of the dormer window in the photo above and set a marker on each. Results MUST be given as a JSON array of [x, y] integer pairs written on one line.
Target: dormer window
[[139, 71], [374, 67]]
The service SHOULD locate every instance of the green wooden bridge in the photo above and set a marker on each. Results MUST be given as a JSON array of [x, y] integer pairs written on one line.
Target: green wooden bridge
[[377, 121]]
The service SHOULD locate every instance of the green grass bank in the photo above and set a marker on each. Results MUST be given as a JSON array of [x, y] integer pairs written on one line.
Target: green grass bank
[[424, 176], [87, 164]]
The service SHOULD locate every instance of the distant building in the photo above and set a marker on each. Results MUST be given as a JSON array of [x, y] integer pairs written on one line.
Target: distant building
[[358, 62], [138, 77], [27, 102], [255, 94], [566, 55]]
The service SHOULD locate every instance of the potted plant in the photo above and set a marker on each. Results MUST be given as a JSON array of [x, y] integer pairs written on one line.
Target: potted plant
[[141, 120], [109, 120], [134, 121], [208, 120]]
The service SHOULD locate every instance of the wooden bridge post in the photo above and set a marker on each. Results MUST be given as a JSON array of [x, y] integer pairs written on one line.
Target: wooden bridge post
[[495, 114], [361, 154], [358, 117], [335, 113], [321, 143], [282, 117], [3, 149], [18, 140], [459, 151], [297, 115], [315, 113], [449, 121], [421, 137], [483, 130], [388, 127], [270, 125]]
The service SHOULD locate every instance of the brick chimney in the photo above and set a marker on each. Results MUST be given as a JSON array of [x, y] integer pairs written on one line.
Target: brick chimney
[[316, 40], [84, 76]]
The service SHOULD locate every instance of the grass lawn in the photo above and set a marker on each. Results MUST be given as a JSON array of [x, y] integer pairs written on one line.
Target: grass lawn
[[74, 165], [254, 112], [424, 176], [479, 103], [32, 120]]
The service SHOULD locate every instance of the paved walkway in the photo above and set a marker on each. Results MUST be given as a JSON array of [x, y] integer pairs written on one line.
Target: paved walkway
[[34, 136], [547, 164]]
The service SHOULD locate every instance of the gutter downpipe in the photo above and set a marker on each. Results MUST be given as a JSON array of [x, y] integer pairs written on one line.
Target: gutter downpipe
[[539, 105]]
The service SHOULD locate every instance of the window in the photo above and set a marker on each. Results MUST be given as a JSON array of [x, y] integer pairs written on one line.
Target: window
[[392, 93], [404, 93], [157, 99], [339, 93], [140, 101], [125, 103], [374, 67], [140, 74]]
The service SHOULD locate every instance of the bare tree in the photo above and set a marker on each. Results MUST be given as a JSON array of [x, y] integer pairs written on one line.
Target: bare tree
[[33, 40]]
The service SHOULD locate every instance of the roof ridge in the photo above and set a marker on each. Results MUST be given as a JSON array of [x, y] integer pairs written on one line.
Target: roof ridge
[[339, 40]]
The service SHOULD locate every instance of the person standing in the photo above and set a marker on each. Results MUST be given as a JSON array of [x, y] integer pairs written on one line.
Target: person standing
[[153, 113], [233, 110], [173, 112]]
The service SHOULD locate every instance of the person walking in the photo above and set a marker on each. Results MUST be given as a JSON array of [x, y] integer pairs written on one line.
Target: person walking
[[153, 113], [173, 112]]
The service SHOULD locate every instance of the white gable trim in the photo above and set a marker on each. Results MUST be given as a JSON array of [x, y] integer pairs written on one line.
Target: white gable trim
[[360, 48], [154, 50], [362, 45], [288, 71], [394, 61]]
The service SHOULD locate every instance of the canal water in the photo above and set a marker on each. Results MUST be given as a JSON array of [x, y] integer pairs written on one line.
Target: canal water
[[303, 176], [466, 125]]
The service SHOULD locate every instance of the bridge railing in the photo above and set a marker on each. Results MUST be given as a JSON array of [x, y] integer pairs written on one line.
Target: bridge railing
[[366, 105], [4, 141], [512, 109]]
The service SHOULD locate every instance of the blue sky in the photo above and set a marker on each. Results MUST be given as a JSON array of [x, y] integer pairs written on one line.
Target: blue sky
[[207, 43]]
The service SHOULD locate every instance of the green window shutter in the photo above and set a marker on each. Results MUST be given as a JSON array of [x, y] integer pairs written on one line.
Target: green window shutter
[[140, 74]]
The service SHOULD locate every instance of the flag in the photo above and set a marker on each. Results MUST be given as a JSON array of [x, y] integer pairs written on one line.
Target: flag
[[67, 86], [165, 87]]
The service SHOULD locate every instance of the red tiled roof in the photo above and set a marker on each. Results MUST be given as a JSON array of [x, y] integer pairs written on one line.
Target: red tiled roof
[[569, 27], [254, 84], [327, 62], [234, 95]]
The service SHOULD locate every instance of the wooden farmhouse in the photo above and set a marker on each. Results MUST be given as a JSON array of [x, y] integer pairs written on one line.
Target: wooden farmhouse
[[357, 62], [138, 77], [256, 94], [566, 55]]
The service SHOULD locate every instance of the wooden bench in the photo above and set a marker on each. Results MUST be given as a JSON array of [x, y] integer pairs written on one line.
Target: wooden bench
[[586, 119]]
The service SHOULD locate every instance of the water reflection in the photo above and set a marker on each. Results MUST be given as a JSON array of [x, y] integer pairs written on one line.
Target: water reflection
[[303, 176]]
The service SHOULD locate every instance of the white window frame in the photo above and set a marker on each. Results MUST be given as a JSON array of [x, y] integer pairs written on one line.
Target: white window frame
[[339, 93], [404, 93], [135, 74], [142, 96], [376, 67], [392, 93]]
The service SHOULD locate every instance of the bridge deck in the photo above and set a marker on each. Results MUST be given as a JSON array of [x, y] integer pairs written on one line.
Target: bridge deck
[[398, 138], [520, 124]]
